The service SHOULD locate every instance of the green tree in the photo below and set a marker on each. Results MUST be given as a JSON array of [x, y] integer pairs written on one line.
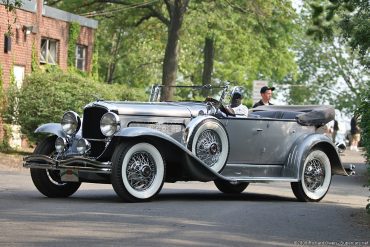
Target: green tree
[[329, 71], [250, 39], [364, 111], [132, 55], [350, 18], [168, 12], [344, 28]]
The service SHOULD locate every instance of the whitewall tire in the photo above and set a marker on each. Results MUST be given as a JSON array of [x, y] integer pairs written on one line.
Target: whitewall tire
[[138, 172], [315, 178], [210, 143]]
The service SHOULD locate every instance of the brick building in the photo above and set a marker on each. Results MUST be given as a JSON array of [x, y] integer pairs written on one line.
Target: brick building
[[47, 30]]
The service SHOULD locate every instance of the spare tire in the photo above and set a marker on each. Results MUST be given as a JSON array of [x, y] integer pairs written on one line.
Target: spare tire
[[210, 143]]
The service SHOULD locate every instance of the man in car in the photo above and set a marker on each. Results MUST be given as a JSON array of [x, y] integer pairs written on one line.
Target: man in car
[[236, 103], [266, 94]]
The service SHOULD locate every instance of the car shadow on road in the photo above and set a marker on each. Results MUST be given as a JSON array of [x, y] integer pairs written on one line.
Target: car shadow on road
[[181, 195], [167, 195], [176, 195]]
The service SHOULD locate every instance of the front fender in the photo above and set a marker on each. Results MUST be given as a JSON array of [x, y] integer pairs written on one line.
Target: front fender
[[51, 128], [300, 149], [178, 157], [132, 132]]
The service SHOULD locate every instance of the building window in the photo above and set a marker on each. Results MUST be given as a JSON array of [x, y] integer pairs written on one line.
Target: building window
[[81, 57], [49, 49]]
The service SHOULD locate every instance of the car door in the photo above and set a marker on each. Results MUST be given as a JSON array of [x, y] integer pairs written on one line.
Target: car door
[[247, 139], [279, 138]]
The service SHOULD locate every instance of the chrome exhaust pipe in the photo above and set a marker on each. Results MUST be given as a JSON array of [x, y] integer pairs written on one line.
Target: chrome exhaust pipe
[[351, 170]]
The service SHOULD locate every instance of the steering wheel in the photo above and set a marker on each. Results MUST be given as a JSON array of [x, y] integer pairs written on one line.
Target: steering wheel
[[217, 104]]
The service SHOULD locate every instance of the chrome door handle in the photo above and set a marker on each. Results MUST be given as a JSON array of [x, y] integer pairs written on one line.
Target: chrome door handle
[[259, 129]]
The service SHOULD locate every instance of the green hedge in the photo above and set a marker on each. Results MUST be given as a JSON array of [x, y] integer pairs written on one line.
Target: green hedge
[[364, 111], [46, 96]]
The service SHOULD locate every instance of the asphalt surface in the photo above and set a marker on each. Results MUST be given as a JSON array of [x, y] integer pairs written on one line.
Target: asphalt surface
[[185, 214]]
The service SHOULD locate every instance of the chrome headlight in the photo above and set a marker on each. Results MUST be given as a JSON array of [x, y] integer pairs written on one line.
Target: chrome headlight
[[83, 146], [109, 124], [71, 122], [60, 144]]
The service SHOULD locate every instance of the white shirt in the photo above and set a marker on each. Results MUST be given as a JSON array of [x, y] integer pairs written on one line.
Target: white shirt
[[241, 110]]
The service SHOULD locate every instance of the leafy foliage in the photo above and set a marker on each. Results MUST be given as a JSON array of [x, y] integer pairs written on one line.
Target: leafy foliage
[[329, 71], [46, 96], [4, 142], [7, 134], [35, 65], [132, 56], [364, 111], [2, 94], [252, 39], [74, 32], [350, 18], [10, 7], [10, 110]]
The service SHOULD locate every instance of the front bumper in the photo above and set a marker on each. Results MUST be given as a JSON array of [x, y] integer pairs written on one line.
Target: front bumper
[[74, 163]]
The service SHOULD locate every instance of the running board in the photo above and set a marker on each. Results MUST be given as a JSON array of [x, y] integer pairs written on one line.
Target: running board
[[255, 173]]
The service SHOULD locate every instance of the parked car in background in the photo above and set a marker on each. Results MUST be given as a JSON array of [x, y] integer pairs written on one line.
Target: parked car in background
[[137, 146]]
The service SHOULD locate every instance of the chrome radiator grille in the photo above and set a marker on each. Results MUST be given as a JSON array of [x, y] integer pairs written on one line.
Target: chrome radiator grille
[[91, 129], [91, 123]]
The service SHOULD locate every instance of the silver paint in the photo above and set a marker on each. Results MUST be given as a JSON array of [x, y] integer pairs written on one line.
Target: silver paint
[[261, 149]]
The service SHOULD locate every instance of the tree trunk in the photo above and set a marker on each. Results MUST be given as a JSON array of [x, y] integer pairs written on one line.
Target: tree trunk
[[177, 9], [117, 40], [209, 53]]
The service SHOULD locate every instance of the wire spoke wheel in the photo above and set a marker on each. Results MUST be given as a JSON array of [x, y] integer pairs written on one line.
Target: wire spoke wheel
[[138, 171], [210, 143], [209, 147], [141, 171], [314, 175], [315, 178]]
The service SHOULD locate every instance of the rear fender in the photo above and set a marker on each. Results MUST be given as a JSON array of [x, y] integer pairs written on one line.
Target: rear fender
[[300, 149]]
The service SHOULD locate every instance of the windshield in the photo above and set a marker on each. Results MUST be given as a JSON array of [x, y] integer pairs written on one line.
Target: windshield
[[191, 92]]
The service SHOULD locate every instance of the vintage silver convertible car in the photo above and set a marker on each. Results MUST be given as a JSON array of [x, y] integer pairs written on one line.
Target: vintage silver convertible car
[[137, 146]]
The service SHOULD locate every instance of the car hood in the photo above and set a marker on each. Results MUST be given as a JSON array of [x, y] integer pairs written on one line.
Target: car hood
[[166, 109]]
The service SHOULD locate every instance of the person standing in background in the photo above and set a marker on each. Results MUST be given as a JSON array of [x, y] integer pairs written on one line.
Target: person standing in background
[[355, 133], [266, 94], [335, 130]]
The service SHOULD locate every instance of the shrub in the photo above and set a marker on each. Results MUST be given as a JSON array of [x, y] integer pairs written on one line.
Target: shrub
[[4, 143], [364, 111], [2, 94], [46, 96]]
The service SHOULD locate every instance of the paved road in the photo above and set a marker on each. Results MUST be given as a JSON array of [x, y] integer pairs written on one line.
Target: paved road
[[185, 214]]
